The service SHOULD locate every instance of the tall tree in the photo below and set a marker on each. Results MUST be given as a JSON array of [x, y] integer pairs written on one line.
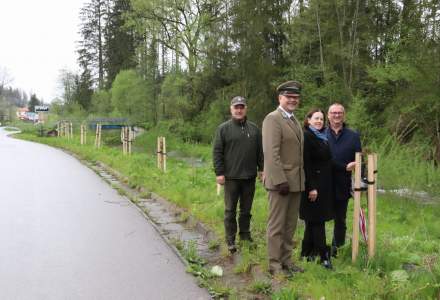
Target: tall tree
[[119, 41], [33, 102], [93, 16]]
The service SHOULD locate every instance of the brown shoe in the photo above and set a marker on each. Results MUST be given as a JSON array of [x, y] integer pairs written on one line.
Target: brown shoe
[[291, 268], [275, 271]]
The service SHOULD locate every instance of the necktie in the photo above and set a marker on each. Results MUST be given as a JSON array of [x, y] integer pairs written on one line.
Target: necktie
[[294, 120]]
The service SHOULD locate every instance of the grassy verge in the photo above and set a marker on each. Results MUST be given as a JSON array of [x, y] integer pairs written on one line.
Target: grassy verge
[[407, 264]]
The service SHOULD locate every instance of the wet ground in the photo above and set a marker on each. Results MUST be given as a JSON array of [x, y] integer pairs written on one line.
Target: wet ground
[[66, 234]]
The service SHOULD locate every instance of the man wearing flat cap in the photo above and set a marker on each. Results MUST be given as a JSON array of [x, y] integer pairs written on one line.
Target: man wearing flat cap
[[284, 177], [238, 156]]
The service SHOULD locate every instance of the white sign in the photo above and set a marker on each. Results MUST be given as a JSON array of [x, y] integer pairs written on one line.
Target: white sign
[[41, 108]]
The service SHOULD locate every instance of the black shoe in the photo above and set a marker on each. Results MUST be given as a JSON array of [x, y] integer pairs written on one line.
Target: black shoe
[[325, 258], [326, 263], [246, 237], [311, 258], [232, 248]]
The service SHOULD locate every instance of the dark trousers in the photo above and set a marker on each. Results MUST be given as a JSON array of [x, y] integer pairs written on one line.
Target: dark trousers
[[314, 242], [340, 227], [238, 190]]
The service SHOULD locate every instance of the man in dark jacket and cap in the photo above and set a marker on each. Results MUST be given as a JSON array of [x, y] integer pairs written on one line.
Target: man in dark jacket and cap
[[238, 156]]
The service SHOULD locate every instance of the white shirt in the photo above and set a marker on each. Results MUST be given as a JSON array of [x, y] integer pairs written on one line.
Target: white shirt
[[288, 114]]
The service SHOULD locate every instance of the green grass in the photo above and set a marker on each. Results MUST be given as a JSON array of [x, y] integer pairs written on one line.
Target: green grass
[[407, 263], [404, 167]]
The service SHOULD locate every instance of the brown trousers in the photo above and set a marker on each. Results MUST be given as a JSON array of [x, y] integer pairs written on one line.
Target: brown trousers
[[281, 226]]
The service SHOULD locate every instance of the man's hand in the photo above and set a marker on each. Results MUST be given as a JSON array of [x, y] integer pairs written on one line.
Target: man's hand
[[313, 194], [350, 166], [283, 188], [220, 179]]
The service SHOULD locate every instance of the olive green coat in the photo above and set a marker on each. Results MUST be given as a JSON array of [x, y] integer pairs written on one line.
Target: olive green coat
[[283, 146]]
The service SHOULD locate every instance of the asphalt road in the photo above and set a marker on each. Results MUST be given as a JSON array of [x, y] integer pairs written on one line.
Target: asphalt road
[[66, 234]]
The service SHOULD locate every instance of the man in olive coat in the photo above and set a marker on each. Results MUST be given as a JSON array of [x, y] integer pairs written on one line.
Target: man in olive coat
[[238, 155], [283, 176]]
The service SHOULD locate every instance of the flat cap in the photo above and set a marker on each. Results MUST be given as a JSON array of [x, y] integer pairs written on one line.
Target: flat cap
[[238, 100], [289, 87]]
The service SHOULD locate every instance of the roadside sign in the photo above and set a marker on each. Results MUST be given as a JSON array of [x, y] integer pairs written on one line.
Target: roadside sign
[[41, 108]]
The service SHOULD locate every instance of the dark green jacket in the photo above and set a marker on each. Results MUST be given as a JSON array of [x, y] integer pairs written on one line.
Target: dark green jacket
[[238, 150]]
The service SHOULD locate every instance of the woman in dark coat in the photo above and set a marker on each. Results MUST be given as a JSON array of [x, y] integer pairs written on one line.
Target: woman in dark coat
[[317, 203]]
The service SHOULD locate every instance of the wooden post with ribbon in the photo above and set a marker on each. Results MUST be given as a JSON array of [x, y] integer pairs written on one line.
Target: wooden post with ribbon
[[372, 188], [357, 207], [359, 221]]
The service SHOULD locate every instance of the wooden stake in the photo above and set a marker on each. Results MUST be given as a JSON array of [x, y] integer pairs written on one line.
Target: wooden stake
[[164, 153], [159, 152], [219, 188], [71, 130], [129, 139], [123, 139], [83, 134], [356, 208], [375, 191], [371, 206], [98, 136]]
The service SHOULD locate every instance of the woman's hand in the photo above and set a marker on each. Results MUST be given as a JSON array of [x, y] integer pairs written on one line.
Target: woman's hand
[[313, 194]]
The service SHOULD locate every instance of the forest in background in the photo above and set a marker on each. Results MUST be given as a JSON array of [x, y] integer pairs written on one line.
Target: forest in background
[[177, 63]]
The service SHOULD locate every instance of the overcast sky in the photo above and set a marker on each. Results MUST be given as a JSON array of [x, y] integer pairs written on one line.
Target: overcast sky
[[37, 40]]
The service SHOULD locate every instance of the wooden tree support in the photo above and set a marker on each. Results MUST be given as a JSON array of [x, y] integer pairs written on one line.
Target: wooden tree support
[[357, 207], [65, 128], [123, 140], [161, 154], [127, 137], [372, 188], [98, 136], [371, 197], [83, 134]]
